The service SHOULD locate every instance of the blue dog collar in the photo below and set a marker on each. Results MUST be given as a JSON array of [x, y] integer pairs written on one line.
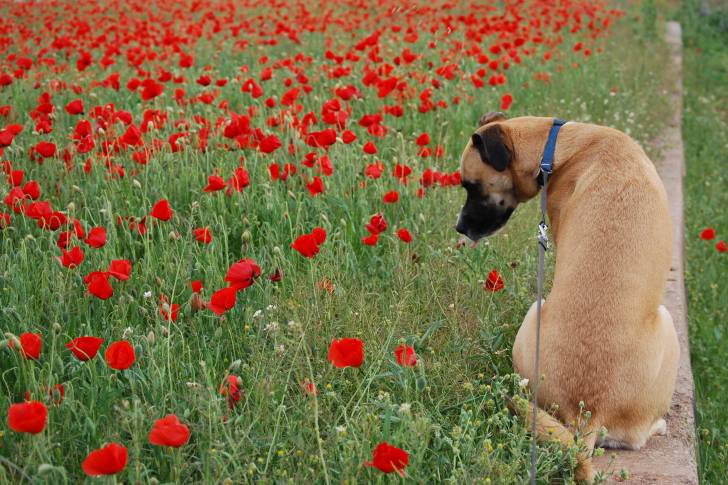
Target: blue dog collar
[[547, 161]]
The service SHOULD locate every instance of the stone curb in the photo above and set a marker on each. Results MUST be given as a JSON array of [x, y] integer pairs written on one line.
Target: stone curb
[[669, 459]]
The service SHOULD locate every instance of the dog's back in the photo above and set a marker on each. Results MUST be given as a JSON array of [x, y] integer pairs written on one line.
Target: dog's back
[[606, 343]]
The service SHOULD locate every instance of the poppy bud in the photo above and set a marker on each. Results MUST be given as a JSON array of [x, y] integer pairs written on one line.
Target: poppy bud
[[174, 236], [165, 331], [276, 250], [76, 188], [45, 468], [235, 365], [57, 327], [246, 237], [71, 207], [136, 184], [151, 338], [128, 332], [160, 281]]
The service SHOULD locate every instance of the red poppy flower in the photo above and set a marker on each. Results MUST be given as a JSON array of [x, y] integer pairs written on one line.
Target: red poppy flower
[[405, 355], [506, 101], [707, 234], [231, 389], [243, 274], [75, 107], [370, 240], [85, 348], [391, 197], [315, 186], [277, 276], [4, 220], [306, 245], [309, 388], [169, 311], [404, 235], [202, 234], [348, 136], [196, 286], [27, 417], [162, 210], [494, 282], [223, 300], [388, 458], [46, 149], [96, 237], [319, 234], [56, 394], [72, 258], [151, 89], [120, 355], [269, 144], [374, 170], [30, 345], [214, 183], [97, 283], [346, 352], [120, 269], [109, 460], [32, 189], [370, 148], [168, 431], [721, 246], [238, 181], [321, 139], [377, 224], [423, 139]]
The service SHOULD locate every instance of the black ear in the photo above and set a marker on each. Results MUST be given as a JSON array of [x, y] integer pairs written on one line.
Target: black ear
[[498, 154], [480, 146]]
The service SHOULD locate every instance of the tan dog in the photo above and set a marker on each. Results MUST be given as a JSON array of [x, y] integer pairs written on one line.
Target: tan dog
[[605, 338]]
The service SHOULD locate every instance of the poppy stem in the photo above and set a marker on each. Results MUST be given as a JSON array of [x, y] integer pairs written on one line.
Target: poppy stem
[[316, 414]]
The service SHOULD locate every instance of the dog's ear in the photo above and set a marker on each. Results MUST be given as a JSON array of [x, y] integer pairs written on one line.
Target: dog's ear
[[496, 147], [490, 117], [479, 145]]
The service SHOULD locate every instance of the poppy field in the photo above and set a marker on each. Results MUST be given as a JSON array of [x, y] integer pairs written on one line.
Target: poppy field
[[226, 233]]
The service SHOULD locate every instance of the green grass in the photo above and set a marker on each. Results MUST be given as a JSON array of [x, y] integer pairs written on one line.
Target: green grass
[[448, 412], [705, 132]]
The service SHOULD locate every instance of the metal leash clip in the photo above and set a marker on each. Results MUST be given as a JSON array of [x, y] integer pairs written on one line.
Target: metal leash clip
[[543, 236]]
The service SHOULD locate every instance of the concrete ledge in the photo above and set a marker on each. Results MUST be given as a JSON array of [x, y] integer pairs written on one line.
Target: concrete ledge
[[669, 459]]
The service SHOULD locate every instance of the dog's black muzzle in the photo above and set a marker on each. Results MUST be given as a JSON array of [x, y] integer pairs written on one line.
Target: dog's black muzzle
[[481, 217]]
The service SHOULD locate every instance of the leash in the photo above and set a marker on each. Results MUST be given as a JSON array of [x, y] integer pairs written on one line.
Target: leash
[[547, 164]]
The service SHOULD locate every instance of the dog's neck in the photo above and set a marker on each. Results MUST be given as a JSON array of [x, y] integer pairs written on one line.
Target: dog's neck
[[529, 147]]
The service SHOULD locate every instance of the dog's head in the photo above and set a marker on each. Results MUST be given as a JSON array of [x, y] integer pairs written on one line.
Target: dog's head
[[494, 179]]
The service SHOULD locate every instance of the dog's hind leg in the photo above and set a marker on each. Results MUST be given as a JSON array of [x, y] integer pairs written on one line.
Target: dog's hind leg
[[634, 439], [524, 347]]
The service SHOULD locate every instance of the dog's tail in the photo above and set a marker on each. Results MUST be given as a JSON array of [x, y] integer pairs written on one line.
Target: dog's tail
[[549, 428]]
